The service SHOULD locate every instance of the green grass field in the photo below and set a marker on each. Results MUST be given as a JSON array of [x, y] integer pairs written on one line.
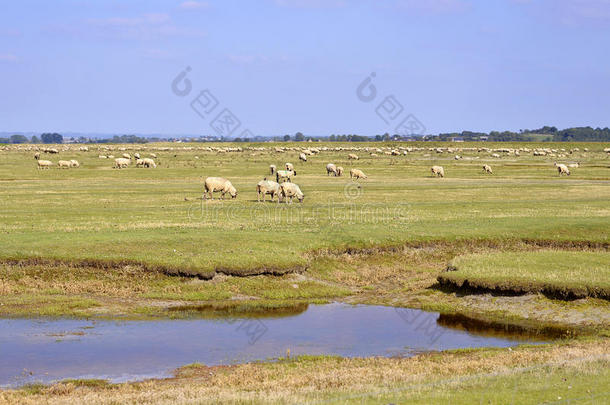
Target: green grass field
[[156, 218]]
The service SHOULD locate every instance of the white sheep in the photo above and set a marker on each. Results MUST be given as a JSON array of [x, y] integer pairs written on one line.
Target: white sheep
[[74, 163], [331, 168], [290, 190], [126, 156], [152, 155], [574, 165], [223, 185], [357, 174], [303, 157], [339, 171], [44, 164], [284, 175], [562, 169], [289, 166], [121, 163], [37, 155], [487, 169], [437, 171], [352, 156], [265, 187], [147, 162], [272, 168], [64, 164], [136, 155]]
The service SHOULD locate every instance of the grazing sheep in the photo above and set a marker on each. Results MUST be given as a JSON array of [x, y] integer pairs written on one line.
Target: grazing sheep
[[487, 169], [44, 164], [126, 156], [272, 169], [103, 157], [357, 174], [303, 157], [37, 155], [574, 165], [139, 162], [495, 155], [136, 155], [147, 162], [213, 184], [289, 166], [152, 155], [121, 163], [74, 163], [83, 149], [265, 187], [437, 171], [339, 171], [562, 169], [290, 190], [352, 156], [331, 168], [284, 175], [64, 163]]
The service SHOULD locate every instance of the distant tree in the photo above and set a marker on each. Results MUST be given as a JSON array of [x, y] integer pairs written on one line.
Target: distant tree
[[299, 137], [52, 138], [35, 139], [286, 138], [238, 140], [18, 139], [5, 140]]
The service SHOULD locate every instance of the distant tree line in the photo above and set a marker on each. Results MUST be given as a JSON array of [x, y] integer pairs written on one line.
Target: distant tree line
[[577, 134], [545, 134]]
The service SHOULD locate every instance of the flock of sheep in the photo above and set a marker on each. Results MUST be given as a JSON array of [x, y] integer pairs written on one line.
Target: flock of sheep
[[283, 188]]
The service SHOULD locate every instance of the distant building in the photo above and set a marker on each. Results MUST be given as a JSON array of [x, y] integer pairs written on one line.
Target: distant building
[[457, 139]]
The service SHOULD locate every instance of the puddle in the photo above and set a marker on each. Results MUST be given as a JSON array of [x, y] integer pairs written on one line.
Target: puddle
[[51, 350]]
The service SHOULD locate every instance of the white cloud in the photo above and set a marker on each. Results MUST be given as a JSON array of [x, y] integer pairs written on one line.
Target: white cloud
[[7, 57], [433, 6], [194, 5], [144, 27], [311, 3]]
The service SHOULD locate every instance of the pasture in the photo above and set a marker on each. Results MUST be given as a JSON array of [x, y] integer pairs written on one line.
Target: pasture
[[138, 243]]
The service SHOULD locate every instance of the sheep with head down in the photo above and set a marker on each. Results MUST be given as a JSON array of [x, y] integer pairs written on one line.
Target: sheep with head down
[[487, 169], [562, 169], [213, 184], [74, 163], [64, 164], [289, 166], [437, 171], [303, 157], [331, 168], [340, 171], [289, 191], [265, 187], [357, 174]]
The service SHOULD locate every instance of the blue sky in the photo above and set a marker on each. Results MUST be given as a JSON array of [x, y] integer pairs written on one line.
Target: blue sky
[[283, 66]]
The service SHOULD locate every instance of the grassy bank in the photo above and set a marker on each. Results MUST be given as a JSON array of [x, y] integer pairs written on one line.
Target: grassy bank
[[561, 273]]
